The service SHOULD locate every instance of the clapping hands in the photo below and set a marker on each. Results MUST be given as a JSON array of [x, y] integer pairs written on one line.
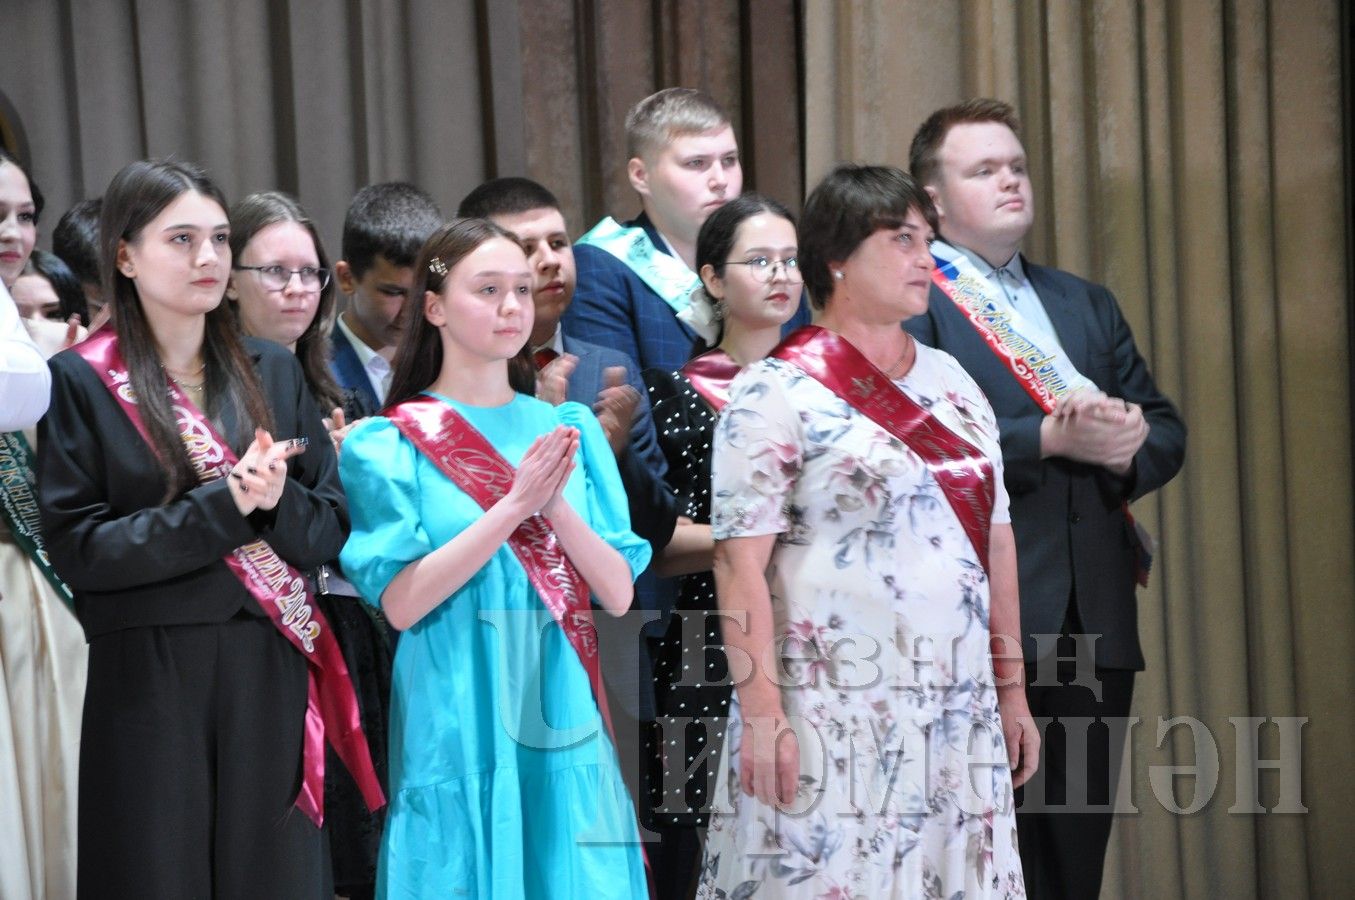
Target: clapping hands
[[259, 478]]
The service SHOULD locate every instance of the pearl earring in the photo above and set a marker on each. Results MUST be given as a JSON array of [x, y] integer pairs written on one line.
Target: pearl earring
[[838, 275]]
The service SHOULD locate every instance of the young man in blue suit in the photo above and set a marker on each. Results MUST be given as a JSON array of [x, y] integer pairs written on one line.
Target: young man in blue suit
[[635, 277], [1071, 466], [385, 226]]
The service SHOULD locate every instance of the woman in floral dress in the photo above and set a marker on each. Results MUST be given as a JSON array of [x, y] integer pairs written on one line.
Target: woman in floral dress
[[866, 564]]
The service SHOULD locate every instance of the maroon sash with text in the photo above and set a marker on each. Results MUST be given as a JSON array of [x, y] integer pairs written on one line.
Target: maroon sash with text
[[710, 375], [470, 462], [282, 592], [963, 472]]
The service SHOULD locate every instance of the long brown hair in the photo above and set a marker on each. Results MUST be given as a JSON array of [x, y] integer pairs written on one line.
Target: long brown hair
[[418, 361], [252, 215], [135, 196]]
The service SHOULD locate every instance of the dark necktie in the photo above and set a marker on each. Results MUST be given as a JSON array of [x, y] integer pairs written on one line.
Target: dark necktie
[[543, 357]]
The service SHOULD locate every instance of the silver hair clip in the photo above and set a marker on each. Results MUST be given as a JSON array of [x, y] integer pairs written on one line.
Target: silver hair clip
[[437, 266]]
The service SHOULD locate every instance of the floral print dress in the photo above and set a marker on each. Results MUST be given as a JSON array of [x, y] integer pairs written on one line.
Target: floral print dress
[[880, 609]]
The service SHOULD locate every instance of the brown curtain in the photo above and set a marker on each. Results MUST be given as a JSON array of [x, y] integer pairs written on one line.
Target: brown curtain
[[320, 97], [586, 62], [1188, 155]]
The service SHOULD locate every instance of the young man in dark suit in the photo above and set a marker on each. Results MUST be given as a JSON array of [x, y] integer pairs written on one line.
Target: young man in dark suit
[[1071, 466], [384, 228]]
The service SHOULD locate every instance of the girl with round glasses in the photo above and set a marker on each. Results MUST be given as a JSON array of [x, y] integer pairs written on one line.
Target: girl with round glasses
[[746, 257], [281, 290]]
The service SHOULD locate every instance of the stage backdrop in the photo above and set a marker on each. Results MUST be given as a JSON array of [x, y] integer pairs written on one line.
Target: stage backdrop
[[320, 97], [1188, 155]]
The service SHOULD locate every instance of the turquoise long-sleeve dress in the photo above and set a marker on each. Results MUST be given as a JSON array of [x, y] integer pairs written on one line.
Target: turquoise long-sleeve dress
[[504, 783]]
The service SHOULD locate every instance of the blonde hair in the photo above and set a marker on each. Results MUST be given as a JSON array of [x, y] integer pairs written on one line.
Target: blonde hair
[[670, 113]]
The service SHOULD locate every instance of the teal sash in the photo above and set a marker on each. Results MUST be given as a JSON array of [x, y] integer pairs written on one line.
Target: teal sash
[[665, 275]]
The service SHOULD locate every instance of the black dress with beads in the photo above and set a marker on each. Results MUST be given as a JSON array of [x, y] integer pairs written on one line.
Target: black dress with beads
[[692, 687]]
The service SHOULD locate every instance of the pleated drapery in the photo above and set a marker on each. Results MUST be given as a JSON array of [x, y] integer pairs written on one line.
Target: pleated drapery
[[320, 97], [1188, 155]]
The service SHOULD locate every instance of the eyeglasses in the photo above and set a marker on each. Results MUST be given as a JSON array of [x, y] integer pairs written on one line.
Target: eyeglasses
[[276, 278], [764, 268]]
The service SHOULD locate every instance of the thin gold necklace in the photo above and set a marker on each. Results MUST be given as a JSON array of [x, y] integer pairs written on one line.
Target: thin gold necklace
[[907, 348]]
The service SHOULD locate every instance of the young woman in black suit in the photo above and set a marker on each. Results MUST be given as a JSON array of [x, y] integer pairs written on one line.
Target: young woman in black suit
[[180, 522]]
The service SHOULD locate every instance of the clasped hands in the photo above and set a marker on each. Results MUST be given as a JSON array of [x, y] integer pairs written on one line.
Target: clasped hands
[[1092, 427], [258, 479], [615, 404], [544, 471]]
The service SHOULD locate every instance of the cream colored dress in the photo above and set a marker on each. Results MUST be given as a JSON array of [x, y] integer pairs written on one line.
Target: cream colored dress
[[42, 693]]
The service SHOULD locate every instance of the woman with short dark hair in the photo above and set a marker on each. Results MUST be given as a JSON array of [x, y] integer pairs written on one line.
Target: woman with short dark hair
[[864, 560]]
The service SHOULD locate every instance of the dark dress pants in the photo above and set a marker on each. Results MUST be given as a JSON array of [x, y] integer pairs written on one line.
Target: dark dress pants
[[1063, 840], [190, 762]]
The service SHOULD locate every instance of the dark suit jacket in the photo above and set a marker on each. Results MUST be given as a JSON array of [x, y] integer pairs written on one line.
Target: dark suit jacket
[[587, 380], [133, 562], [613, 307], [1072, 538], [351, 376]]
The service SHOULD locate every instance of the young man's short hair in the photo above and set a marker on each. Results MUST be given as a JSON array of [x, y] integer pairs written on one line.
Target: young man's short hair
[[76, 239], [393, 220], [506, 197], [922, 155], [671, 113]]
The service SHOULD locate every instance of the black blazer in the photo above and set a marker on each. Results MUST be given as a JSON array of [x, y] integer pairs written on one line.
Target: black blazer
[[1072, 538], [132, 562]]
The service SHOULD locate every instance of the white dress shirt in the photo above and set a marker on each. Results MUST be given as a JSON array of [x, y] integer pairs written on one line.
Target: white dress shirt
[[376, 366], [1014, 288]]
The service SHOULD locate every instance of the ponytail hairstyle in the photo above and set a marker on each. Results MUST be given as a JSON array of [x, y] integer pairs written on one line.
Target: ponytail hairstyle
[[136, 195], [418, 361], [252, 215]]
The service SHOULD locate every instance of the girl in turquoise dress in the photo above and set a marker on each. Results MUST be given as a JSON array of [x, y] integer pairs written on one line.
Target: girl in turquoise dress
[[504, 782]]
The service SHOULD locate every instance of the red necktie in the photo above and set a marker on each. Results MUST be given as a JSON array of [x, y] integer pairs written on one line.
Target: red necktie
[[543, 357]]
